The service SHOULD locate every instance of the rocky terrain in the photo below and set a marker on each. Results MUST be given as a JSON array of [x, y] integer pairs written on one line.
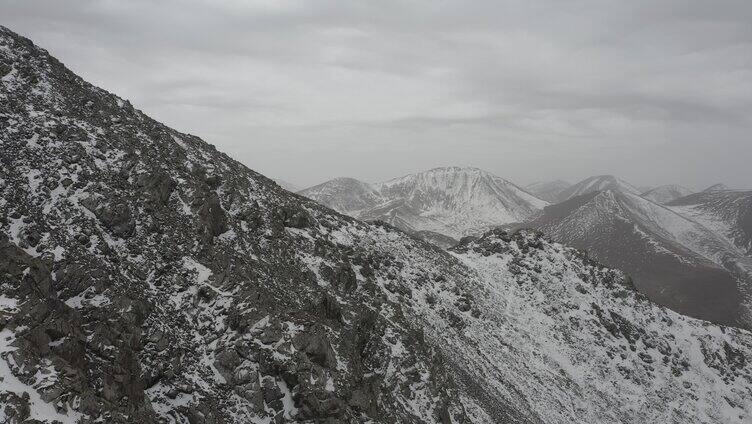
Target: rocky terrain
[[442, 204], [146, 277], [579, 344]]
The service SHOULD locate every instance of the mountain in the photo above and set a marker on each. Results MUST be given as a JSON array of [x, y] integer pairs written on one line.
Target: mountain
[[595, 184], [673, 259], [728, 213], [548, 190], [287, 186], [147, 277], [451, 202], [560, 320], [666, 193], [717, 187], [344, 195]]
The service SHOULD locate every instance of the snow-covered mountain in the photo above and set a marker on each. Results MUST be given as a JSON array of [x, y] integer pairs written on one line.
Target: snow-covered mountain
[[452, 201], [666, 193], [345, 195], [548, 190], [287, 185], [557, 321], [674, 260], [147, 277], [728, 213], [717, 187], [595, 184]]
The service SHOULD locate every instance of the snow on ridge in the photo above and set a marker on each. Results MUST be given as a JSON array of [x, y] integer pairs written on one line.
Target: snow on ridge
[[582, 346], [597, 183], [452, 201], [666, 193]]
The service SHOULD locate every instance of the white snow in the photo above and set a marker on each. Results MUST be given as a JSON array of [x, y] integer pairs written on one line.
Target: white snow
[[451, 201], [39, 409]]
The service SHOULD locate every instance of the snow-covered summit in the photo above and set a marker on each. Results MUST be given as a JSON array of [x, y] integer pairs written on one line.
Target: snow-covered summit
[[717, 187], [452, 201], [345, 195], [548, 190], [666, 193], [597, 183]]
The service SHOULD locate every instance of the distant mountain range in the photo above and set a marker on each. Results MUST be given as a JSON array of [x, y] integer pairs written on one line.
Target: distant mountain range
[[548, 190], [666, 193], [718, 187], [674, 259], [690, 252], [596, 184], [442, 204], [287, 186]]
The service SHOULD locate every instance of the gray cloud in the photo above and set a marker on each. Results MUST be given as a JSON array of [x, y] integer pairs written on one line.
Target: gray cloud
[[655, 91]]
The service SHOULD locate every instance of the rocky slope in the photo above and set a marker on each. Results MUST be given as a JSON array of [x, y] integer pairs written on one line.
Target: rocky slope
[[674, 260], [146, 277], [595, 184], [581, 345], [666, 193], [452, 202], [548, 190]]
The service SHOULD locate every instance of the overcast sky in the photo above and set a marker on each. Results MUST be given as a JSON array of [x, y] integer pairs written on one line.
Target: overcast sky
[[655, 91]]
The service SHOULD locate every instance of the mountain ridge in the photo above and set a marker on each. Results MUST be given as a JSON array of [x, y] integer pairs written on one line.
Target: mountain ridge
[[452, 201], [666, 193], [596, 183], [673, 259], [548, 190]]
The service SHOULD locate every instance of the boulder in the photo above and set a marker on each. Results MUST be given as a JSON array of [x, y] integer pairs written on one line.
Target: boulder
[[316, 347], [212, 216]]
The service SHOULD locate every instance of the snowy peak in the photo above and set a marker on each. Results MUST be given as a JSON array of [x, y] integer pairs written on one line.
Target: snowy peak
[[287, 185], [717, 187], [345, 195], [458, 188], [666, 193], [597, 183], [451, 201], [548, 190]]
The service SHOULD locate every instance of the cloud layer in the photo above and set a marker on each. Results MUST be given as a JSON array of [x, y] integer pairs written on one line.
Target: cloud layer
[[654, 91]]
